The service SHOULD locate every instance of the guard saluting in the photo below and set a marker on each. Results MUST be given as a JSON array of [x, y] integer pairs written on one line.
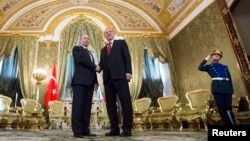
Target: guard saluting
[[221, 85]]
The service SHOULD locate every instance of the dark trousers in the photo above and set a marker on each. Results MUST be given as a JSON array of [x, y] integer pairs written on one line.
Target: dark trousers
[[224, 105], [81, 109], [120, 88]]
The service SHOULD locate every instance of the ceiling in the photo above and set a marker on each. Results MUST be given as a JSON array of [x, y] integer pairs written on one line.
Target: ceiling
[[128, 17]]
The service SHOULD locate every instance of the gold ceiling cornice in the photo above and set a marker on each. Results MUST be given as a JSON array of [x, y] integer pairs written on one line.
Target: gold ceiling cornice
[[126, 18], [163, 18], [35, 18], [58, 19], [135, 22], [106, 21], [5, 16], [152, 14], [20, 34], [182, 16], [154, 17]]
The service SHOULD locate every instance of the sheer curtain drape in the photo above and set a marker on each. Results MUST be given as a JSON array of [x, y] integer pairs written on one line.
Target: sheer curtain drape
[[69, 75], [152, 85], [8, 45], [158, 47], [136, 47], [27, 46], [8, 78]]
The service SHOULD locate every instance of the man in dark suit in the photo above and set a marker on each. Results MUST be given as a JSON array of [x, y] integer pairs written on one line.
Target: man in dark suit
[[115, 63], [221, 86], [84, 83]]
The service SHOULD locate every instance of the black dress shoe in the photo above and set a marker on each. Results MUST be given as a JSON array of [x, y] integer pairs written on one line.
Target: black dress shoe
[[125, 134], [90, 135], [78, 136], [112, 134]]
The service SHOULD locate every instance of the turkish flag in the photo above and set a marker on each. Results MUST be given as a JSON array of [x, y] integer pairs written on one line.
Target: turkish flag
[[52, 89]]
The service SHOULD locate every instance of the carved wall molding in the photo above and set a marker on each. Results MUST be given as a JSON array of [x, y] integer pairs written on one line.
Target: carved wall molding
[[14, 7], [36, 18], [238, 46], [180, 17]]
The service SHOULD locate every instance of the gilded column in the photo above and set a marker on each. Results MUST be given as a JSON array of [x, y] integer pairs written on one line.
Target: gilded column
[[238, 47]]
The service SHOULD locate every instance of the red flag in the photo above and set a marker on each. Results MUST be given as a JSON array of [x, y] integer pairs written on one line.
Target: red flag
[[52, 89]]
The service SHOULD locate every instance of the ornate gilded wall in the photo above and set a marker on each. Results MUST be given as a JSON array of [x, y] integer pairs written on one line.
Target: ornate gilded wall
[[47, 55], [205, 33]]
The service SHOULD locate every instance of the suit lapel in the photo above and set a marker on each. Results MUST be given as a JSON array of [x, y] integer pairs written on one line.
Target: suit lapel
[[87, 54]]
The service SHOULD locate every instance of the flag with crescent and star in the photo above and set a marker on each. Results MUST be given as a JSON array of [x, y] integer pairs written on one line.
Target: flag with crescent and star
[[52, 89]]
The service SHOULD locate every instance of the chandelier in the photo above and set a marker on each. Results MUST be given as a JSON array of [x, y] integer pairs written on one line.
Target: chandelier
[[79, 1]]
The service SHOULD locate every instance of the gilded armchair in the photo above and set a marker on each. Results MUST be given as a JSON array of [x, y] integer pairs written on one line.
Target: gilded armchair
[[5, 115], [166, 112], [198, 107], [57, 113], [102, 117], [140, 111], [31, 114]]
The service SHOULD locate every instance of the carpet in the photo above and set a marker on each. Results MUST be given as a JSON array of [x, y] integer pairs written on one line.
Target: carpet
[[67, 135]]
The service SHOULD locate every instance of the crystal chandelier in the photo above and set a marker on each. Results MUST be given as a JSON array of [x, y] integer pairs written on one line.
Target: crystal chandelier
[[79, 1]]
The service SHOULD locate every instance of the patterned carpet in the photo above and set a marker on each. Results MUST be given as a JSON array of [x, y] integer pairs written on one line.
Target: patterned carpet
[[66, 135]]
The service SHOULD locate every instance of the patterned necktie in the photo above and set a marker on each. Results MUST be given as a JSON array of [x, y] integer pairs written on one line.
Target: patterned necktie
[[109, 48]]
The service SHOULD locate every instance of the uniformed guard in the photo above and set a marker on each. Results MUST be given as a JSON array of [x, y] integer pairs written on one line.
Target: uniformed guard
[[221, 85]]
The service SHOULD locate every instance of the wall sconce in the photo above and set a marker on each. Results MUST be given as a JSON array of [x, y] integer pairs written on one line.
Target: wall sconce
[[38, 75]]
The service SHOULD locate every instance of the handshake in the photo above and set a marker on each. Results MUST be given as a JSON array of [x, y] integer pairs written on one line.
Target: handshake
[[97, 68]]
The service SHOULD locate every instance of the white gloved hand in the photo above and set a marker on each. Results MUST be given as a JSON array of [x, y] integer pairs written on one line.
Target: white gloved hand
[[207, 57]]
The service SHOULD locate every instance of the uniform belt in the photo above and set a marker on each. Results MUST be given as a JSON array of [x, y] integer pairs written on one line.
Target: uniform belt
[[220, 78]]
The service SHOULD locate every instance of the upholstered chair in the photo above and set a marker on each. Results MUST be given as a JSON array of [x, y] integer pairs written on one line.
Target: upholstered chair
[[57, 114], [32, 114], [166, 113], [102, 117], [5, 112], [140, 110], [198, 103]]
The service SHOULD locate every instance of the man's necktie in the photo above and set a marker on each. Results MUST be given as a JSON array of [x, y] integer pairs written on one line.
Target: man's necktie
[[109, 48], [91, 56]]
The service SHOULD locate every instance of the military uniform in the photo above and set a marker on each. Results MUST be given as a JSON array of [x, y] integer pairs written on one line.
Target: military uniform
[[221, 87]]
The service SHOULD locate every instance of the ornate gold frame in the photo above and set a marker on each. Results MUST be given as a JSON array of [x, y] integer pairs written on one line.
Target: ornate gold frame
[[237, 45]]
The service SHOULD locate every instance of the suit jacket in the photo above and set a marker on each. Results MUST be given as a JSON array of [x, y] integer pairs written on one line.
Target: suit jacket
[[84, 73], [218, 86], [118, 63]]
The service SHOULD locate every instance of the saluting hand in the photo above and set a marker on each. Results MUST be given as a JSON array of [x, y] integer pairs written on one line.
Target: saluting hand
[[207, 57]]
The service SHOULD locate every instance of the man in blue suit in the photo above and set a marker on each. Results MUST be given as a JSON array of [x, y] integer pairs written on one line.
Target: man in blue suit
[[84, 83], [115, 63], [221, 86]]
